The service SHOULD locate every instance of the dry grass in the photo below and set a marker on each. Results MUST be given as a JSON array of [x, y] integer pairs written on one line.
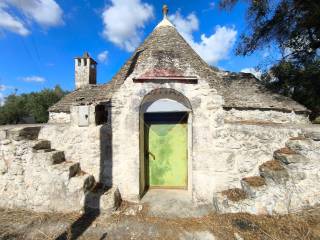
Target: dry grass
[[17, 224], [299, 226], [253, 227], [248, 226], [286, 150], [255, 181], [234, 194], [273, 165]]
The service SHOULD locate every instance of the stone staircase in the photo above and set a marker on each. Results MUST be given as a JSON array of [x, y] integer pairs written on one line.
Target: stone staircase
[[287, 183], [38, 177], [56, 162]]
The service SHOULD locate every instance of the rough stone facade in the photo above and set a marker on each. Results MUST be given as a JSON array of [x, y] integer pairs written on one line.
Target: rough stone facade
[[90, 146], [59, 117], [85, 71], [269, 116], [290, 181], [35, 176]]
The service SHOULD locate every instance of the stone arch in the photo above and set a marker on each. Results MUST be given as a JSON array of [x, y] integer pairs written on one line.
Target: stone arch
[[150, 98], [164, 93]]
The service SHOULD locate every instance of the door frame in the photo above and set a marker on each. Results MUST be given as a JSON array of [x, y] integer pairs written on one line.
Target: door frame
[[148, 99]]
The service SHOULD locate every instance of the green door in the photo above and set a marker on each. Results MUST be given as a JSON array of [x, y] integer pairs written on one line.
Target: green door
[[167, 154]]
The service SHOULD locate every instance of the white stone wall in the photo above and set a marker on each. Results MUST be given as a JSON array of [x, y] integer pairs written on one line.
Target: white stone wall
[[59, 117], [207, 114], [221, 153], [235, 151], [234, 115], [90, 146], [84, 74], [30, 183]]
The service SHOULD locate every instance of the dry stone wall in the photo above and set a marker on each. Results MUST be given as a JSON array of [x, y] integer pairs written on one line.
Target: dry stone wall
[[59, 117], [286, 184], [90, 146], [233, 152], [35, 176], [271, 116]]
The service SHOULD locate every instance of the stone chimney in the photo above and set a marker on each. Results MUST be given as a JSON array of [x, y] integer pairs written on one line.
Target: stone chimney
[[85, 71]]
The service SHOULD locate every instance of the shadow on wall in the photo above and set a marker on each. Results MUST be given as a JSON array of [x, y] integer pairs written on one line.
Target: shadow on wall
[[92, 205]]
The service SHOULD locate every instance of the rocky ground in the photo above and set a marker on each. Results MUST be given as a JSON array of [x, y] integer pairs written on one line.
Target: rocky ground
[[136, 222]]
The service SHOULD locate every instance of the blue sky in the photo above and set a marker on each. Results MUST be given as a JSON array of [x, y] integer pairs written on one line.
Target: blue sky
[[40, 38]]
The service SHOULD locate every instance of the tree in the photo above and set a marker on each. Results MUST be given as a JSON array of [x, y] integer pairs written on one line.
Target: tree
[[302, 83], [292, 26], [18, 107]]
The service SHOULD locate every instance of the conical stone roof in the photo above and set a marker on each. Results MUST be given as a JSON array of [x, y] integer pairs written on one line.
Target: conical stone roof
[[165, 50]]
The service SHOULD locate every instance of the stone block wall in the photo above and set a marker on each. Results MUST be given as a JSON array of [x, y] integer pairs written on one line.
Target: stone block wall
[[90, 146], [220, 153], [35, 176], [234, 115], [59, 117], [232, 152]]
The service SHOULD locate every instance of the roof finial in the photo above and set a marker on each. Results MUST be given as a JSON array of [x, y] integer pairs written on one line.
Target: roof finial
[[165, 11]]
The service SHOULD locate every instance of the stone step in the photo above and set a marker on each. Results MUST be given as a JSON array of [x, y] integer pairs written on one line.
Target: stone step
[[275, 171], [49, 157], [106, 200], [229, 200], [81, 182], [313, 134], [288, 156], [234, 194], [253, 185], [299, 145], [42, 145], [66, 170], [24, 133]]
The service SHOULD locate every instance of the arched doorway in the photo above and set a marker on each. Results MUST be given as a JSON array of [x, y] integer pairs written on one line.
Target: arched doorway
[[165, 140]]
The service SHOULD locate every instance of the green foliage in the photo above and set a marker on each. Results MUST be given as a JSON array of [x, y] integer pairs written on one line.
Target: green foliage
[[18, 107], [290, 24], [302, 83]]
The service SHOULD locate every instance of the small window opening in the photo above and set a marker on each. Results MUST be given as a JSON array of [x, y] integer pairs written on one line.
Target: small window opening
[[101, 114], [85, 62], [79, 62]]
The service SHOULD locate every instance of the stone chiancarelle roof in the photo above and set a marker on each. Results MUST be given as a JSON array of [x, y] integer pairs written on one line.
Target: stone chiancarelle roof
[[164, 49], [89, 95]]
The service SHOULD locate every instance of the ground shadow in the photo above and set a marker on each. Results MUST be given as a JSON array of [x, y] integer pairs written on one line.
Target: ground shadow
[[92, 197]]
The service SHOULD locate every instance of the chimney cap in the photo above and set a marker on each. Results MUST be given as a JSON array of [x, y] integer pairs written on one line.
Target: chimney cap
[[86, 55]]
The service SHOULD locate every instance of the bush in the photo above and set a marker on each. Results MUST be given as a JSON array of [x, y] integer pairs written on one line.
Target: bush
[[35, 105]]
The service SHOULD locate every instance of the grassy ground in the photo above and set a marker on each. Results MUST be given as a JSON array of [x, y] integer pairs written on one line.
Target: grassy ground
[[17, 224]]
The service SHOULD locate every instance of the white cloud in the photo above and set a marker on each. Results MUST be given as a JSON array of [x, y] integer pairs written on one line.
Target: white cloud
[[123, 22], [11, 23], [46, 13], [36, 79], [213, 48], [253, 71], [103, 56]]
